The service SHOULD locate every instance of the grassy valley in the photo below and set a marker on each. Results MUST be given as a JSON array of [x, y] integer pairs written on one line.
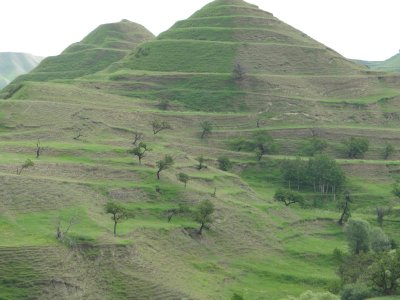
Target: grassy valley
[[246, 73]]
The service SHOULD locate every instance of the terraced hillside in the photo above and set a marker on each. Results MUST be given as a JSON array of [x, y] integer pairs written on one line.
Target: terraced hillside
[[106, 44], [256, 247], [193, 63], [14, 64]]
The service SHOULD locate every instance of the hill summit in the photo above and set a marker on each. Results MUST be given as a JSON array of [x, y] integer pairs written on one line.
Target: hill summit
[[193, 62], [226, 32], [106, 44]]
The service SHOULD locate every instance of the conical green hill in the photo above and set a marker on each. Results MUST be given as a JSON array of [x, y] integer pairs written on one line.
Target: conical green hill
[[106, 44], [225, 32], [193, 62]]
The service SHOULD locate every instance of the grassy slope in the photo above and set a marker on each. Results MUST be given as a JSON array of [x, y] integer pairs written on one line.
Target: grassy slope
[[256, 247], [105, 45]]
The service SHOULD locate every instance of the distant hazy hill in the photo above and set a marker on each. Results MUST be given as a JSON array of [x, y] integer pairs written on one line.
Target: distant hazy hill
[[390, 65], [108, 43], [14, 64]]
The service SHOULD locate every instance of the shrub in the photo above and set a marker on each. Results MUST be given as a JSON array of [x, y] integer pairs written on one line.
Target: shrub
[[356, 147], [356, 291], [379, 240], [224, 163], [358, 236]]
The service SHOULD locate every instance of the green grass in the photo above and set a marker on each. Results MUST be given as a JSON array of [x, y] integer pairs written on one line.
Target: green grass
[[256, 246]]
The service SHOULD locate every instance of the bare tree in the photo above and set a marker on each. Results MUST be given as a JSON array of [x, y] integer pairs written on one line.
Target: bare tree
[[345, 207], [61, 233], [137, 136], [206, 127], [39, 149], [238, 72], [159, 126], [214, 194], [78, 134]]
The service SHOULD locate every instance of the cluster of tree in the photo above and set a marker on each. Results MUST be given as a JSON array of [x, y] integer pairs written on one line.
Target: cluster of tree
[[202, 213], [320, 173], [373, 266]]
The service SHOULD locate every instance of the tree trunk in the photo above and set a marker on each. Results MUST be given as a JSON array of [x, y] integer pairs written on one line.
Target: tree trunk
[[115, 228], [158, 175], [341, 221], [201, 228]]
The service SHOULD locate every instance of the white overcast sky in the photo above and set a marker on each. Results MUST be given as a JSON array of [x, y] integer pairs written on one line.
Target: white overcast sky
[[364, 29]]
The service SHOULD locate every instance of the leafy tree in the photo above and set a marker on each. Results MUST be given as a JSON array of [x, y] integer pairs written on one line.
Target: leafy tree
[[314, 146], [325, 174], [388, 151], [396, 190], [239, 144], [206, 127], [384, 273], [288, 197], [345, 208], [181, 209], [203, 214], [295, 172], [353, 267], [356, 291], [184, 178], [159, 126], [224, 163], [264, 144], [140, 151], [201, 160], [118, 213], [164, 164], [358, 236], [356, 147], [379, 240], [381, 212], [27, 164]]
